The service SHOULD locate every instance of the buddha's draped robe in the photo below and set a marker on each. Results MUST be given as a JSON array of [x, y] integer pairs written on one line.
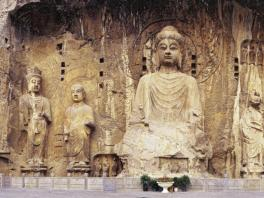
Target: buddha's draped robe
[[165, 122], [162, 97]]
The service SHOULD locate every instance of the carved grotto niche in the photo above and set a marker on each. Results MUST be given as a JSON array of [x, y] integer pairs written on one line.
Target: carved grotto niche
[[166, 116]]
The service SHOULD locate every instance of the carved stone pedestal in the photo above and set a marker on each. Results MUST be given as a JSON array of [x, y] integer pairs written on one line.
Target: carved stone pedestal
[[79, 170], [173, 164], [5, 154], [246, 171], [106, 165], [34, 170]]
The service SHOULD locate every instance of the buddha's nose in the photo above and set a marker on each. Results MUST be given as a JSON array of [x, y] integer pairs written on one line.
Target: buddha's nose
[[167, 52]]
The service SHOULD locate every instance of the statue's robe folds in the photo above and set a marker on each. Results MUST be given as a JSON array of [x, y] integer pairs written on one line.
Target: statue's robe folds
[[165, 121], [251, 125], [79, 122], [35, 115]]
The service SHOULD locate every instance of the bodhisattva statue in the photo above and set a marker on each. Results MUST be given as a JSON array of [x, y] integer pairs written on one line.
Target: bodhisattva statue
[[35, 115], [78, 125], [166, 115], [252, 131]]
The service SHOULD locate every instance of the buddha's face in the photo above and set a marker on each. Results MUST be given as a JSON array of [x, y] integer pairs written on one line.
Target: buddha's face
[[34, 84], [77, 93], [168, 51]]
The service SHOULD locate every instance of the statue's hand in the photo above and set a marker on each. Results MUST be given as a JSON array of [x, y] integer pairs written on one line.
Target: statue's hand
[[24, 130], [66, 138], [146, 122], [44, 115], [90, 125]]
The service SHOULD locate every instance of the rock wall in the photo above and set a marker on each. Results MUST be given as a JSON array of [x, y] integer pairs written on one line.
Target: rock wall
[[104, 45]]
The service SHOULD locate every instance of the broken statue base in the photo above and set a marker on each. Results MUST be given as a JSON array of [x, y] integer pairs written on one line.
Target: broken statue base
[[164, 150]]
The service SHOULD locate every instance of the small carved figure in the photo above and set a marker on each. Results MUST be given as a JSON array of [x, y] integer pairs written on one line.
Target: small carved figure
[[251, 125], [114, 167], [110, 103], [35, 115], [244, 53], [259, 56], [252, 53], [78, 125], [97, 168], [105, 168]]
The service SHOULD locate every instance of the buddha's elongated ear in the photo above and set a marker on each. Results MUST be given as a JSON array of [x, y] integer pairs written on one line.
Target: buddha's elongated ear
[[179, 62], [84, 94], [155, 60]]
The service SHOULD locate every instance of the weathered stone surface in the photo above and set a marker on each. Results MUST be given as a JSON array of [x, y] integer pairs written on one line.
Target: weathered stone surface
[[78, 126], [166, 117], [106, 47]]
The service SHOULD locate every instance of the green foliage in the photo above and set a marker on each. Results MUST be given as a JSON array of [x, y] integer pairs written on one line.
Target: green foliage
[[154, 185], [182, 183], [144, 179], [149, 183]]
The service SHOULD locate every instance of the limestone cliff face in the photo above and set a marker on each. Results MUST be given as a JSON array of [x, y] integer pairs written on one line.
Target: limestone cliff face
[[106, 46]]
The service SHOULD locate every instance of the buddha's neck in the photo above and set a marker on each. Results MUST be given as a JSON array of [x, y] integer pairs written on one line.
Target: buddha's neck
[[34, 94], [76, 104], [168, 69]]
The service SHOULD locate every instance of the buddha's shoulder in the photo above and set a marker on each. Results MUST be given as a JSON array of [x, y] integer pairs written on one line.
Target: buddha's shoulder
[[146, 77], [179, 75], [188, 77]]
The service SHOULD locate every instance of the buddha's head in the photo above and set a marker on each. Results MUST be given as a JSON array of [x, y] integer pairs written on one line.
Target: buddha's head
[[168, 46], [33, 80], [78, 93]]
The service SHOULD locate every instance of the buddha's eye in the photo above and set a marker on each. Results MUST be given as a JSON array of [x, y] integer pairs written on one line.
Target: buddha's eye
[[163, 47], [173, 47]]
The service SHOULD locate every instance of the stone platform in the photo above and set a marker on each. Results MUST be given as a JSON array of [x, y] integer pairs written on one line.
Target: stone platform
[[42, 193], [126, 184], [106, 184]]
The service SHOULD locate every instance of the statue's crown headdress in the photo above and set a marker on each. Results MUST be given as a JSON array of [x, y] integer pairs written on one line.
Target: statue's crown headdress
[[33, 71]]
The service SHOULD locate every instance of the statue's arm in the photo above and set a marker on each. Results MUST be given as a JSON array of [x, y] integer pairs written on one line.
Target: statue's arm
[[47, 111], [89, 122], [140, 105], [195, 105]]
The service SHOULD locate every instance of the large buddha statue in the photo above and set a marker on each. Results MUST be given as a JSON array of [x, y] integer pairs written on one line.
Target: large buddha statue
[[165, 130]]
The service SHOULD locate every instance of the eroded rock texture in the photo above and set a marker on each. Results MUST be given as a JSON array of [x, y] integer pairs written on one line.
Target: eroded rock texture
[[106, 46]]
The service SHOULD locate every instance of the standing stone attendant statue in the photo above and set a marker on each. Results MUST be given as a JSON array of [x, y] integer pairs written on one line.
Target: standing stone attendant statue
[[252, 131], [35, 115], [78, 125]]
